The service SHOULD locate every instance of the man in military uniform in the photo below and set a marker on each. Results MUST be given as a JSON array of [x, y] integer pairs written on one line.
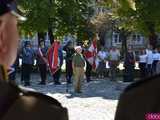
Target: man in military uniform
[[140, 101], [69, 56], [16, 103]]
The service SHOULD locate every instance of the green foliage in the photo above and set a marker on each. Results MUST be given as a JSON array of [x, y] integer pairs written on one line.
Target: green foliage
[[37, 13], [141, 16], [137, 15], [63, 16], [148, 13]]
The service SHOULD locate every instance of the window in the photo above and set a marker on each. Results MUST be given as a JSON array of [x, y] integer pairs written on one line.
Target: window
[[137, 39], [116, 38]]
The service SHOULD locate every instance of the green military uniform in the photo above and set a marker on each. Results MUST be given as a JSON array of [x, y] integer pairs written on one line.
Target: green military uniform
[[78, 69], [139, 99], [20, 104]]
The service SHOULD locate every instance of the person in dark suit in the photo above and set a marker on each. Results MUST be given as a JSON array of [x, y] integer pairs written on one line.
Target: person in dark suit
[[69, 56], [17, 103], [129, 64]]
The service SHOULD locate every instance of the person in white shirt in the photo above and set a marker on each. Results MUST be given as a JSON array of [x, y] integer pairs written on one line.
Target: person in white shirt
[[102, 56], [149, 61], [142, 63], [158, 65], [155, 60]]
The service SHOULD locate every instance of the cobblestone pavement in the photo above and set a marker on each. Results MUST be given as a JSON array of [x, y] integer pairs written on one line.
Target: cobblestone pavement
[[98, 100]]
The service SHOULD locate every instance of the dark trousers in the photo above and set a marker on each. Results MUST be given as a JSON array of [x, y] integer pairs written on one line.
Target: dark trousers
[[142, 67], [43, 72], [26, 72], [129, 73], [69, 71], [101, 69], [154, 66], [88, 71], [113, 69], [149, 70], [56, 76]]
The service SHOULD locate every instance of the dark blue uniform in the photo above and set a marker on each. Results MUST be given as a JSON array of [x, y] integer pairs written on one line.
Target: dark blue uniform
[[68, 58]]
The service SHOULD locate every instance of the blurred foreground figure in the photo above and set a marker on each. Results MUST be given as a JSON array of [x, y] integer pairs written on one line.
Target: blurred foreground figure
[[140, 101], [17, 103]]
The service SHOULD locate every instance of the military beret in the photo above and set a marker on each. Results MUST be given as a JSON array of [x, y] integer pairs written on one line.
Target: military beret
[[10, 6]]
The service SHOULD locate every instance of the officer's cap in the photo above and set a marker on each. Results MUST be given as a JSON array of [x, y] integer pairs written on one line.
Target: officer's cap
[[10, 6]]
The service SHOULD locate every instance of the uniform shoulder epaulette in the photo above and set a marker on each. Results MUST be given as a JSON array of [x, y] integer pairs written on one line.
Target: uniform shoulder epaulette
[[141, 82]]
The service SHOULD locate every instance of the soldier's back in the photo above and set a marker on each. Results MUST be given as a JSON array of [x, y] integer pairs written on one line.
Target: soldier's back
[[139, 99], [29, 105]]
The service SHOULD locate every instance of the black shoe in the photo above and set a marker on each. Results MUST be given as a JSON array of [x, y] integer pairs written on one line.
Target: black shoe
[[57, 83], [88, 80], [42, 83], [69, 82], [79, 92], [27, 84]]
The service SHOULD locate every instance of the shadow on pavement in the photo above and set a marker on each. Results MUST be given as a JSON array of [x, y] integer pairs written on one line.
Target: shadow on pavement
[[105, 88]]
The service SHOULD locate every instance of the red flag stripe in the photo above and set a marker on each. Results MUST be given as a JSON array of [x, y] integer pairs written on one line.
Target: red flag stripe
[[90, 55], [53, 57]]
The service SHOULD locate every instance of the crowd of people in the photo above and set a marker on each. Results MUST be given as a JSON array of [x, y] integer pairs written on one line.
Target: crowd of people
[[149, 62], [44, 56], [78, 65], [74, 58]]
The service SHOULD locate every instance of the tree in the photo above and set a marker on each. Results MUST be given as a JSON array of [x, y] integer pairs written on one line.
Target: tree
[[148, 18], [56, 16], [138, 15]]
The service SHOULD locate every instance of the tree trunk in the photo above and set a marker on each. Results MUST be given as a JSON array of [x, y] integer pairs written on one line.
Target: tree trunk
[[51, 36], [41, 37], [102, 35], [153, 40], [152, 34], [50, 24], [123, 38]]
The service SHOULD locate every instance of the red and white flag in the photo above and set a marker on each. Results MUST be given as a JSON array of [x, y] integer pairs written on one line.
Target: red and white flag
[[91, 53], [53, 59]]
